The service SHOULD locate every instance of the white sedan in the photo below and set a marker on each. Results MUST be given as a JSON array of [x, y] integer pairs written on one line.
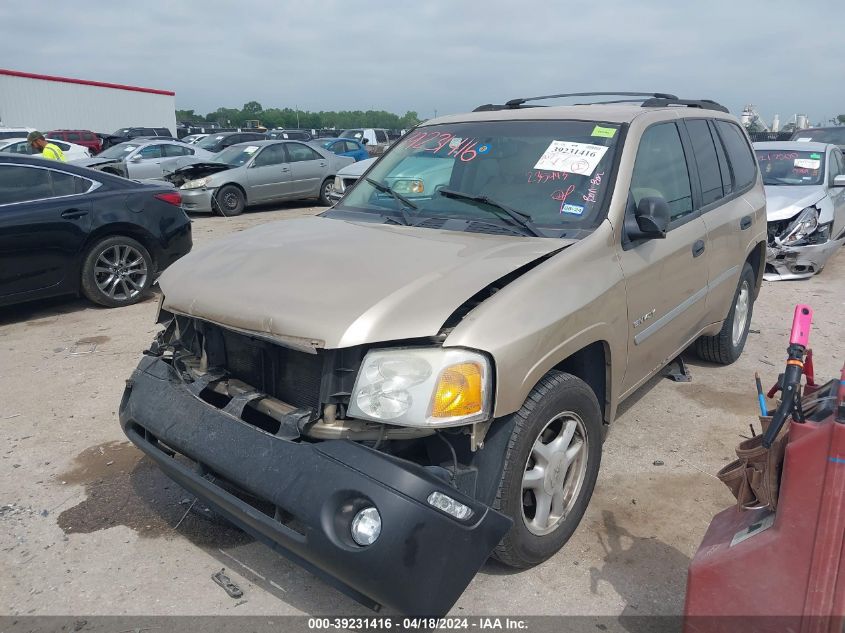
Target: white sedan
[[72, 151]]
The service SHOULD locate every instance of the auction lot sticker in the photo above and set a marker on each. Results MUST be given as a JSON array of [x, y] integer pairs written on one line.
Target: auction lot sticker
[[807, 163], [571, 157]]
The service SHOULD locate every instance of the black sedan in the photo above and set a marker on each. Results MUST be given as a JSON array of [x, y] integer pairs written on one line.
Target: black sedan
[[70, 230]]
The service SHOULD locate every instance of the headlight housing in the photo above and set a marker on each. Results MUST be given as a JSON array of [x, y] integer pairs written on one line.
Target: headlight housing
[[804, 224], [196, 184], [423, 387], [338, 184]]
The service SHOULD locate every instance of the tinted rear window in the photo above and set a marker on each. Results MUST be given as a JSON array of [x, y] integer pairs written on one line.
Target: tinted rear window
[[740, 157], [705, 157]]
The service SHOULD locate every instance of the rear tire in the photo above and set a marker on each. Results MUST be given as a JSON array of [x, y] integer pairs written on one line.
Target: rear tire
[[325, 189], [727, 345], [229, 201], [117, 271], [551, 466]]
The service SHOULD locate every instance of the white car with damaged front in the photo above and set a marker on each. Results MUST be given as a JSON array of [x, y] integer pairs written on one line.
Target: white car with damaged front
[[805, 203]]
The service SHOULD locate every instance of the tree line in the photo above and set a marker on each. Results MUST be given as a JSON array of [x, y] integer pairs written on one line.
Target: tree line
[[290, 118]]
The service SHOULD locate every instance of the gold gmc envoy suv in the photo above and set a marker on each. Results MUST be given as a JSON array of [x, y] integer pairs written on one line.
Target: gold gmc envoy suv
[[423, 375]]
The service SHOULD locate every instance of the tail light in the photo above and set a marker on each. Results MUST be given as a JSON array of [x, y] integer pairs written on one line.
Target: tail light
[[171, 197]]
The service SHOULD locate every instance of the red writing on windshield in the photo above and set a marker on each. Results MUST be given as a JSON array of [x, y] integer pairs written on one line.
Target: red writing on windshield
[[560, 195], [595, 181], [434, 142], [778, 156], [538, 176]]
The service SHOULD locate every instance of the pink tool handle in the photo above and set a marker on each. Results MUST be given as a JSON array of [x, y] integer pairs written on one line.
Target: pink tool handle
[[800, 334]]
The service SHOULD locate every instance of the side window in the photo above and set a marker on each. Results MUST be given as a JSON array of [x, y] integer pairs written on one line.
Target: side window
[[73, 137], [147, 131], [271, 155], [836, 166], [88, 136], [299, 152], [150, 151], [724, 168], [339, 147], [741, 159], [21, 184], [62, 146], [705, 158], [177, 150], [381, 136], [19, 148], [661, 170], [67, 185]]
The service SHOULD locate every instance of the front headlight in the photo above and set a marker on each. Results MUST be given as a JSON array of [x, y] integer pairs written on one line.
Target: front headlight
[[408, 186], [800, 228], [428, 387], [338, 184], [196, 184]]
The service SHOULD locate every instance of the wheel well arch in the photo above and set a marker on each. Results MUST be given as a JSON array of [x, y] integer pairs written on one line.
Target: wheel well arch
[[591, 364], [757, 259], [122, 229]]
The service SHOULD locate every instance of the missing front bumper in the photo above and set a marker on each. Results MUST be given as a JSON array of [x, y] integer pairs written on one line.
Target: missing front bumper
[[423, 559]]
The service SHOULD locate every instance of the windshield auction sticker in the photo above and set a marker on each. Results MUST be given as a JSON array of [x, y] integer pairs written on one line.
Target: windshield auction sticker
[[807, 163], [571, 158]]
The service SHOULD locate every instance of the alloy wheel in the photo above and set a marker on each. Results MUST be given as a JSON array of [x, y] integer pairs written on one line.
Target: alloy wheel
[[554, 473], [120, 272]]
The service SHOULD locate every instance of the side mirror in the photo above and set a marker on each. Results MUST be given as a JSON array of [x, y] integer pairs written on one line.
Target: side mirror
[[652, 217], [839, 181], [365, 141], [136, 158]]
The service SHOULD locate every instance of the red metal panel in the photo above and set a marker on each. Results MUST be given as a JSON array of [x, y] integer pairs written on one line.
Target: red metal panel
[[84, 82]]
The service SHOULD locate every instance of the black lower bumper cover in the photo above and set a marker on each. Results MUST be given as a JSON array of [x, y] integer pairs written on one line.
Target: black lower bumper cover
[[423, 559]]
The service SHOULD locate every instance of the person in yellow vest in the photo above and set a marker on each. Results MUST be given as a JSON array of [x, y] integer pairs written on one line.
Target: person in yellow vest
[[47, 150]]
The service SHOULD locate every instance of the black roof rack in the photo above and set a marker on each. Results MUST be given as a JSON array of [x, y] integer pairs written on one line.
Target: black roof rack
[[648, 100]]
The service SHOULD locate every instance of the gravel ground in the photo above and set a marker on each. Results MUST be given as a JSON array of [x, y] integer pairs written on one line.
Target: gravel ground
[[89, 527]]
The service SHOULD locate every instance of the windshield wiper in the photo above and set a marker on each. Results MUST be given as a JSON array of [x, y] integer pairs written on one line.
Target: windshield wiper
[[517, 217], [402, 200]]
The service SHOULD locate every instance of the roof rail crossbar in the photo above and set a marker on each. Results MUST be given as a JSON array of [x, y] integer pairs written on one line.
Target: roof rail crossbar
[[515, 103], [704, 104]]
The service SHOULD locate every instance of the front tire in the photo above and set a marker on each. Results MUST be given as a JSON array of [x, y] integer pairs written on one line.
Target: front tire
[[229, 201], [325, 189], [117, 271], [551, 466], [727, 345]]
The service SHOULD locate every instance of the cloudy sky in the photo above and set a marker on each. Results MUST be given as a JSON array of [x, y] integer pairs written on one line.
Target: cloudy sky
[[443, 55]]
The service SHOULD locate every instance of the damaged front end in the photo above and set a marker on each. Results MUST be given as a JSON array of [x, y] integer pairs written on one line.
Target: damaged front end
[[179, 174], [799, 247], [260, 430]]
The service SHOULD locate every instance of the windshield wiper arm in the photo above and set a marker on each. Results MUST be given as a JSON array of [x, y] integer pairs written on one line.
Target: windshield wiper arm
[[402, 200], [517, 217]]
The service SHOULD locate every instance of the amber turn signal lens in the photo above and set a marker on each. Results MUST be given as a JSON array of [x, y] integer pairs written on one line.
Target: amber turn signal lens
[[458, 391]]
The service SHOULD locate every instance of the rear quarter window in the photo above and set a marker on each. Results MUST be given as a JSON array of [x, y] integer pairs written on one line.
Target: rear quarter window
[[706, 160], [741, 158]]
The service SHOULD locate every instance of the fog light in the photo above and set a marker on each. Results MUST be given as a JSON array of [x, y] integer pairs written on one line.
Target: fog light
[[449, 505], [366, 526]]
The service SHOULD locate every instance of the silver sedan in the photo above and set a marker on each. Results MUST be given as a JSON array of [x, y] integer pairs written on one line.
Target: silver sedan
[[254, 173], [141, 158]]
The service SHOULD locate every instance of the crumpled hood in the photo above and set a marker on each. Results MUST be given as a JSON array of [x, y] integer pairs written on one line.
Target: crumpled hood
[[94, 162], [334, 283], [784, 202]]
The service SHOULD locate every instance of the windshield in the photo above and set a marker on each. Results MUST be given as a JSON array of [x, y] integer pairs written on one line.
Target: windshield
[[121, 150], [236, 155], [555, 172], [356, 134], [836, 137], [785, 167], [209, 141]]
